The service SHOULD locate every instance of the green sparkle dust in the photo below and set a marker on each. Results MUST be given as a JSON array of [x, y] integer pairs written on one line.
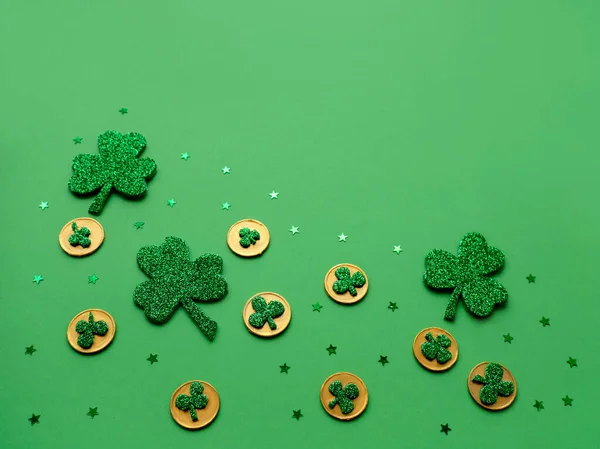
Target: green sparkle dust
[[87, 330], [436, 348], [80, 236], [116, 167], [248, 237], [195, 401], [175, 280], [346, 282], [466, 275], [343, 396], [264, 313], [493, 385]]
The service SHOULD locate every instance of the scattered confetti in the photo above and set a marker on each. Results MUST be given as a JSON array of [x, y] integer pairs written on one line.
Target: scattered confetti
[[38, 278], [29, 350], [92, 279], [35, 419], [93, 412], [44, 205], [545, 321], [284, 368], [568, 401], [297, 415], [383, 360], [185, 156], [530, 279], [225, 206], [539, 405], [226, 170], [572, 362], [393, 306], [508, 338], [139, 225], [342, 237], [153, 359], [317, 307], [123, 111], [445, 428], [77, 140], [294, 230], [332, 349], [171, 202], [397, 249], [274, 195]]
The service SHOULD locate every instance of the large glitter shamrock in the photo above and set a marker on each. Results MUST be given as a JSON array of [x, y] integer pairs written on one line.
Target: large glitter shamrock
[[435, 348], [80, 236], [248, 237], [466, 274], [87, 330], [346, 282], [343, 396], [493, 384], [195, 401], [265, 312], [117, 166], [175, 280]]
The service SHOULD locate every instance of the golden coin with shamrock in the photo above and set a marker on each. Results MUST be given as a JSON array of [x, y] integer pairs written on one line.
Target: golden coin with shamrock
[[344, 396], [81, 236], [267, 314], [248, 238], [346, 283], [91, 331], [195, 404], [492, 386], [435, 349]]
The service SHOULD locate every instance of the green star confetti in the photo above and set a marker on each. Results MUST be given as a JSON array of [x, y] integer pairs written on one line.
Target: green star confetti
[[123, 111], [195, 401], [44, 205], [87, 330], [297, 415], [139, 225], [342, 237], [92, 279], [436, 348], [29, 350], [343, 396], [445, 428], [294, 230], [508, 338], [383, 360], [153, 359], [117, 167], [171, 202], [226, 170], [530, 279], [35, 419], [572, 362], [265, 313], [539, 405], [176, 280], [284, 368], [331, 349], [185, 156], [274, 195], [466, 274], [545, 321], [225, 206], [38, 278], [393, 306], [77, 140], [397, 249], [493, 385], [80, 236], [317, 307], [568, 401], [92, 412]]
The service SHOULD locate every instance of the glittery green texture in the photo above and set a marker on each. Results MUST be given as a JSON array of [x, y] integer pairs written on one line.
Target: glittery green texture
[[493, 385], [435, 348], [80, 236], [264, 312], [466, 274], [343, 396], [175, 280], [248, 237], [195, 401], [87, 330], [115, 167], [346, 282]]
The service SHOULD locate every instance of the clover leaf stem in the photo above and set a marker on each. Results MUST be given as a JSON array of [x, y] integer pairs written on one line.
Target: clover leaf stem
[[452, 304], [193, 413], [100, 199], [206, 325]]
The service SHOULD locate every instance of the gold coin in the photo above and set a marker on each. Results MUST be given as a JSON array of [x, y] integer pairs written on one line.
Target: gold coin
[[100, 341], [360, 403], [434, 365], [205, 415], [281, 322], [96, 237], [474, 388], [345, 298], [256, 249]]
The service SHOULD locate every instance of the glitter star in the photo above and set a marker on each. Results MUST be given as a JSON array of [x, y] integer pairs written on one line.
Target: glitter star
[[383, 360], [44, 205], [342, 237], [545, 321], [568, 401], [294, 230], [397, 249], [226, 170], [274, 195], [29, 350], [92, 279], [35, 419], [93, 412], [392, 306], [530, 278], [123, 111], [317, 307], [331, 349], [539, 405], [139, 225], [225, 206], [38, 278], [77, 140], [572, 362], [185, 156], [297, 415], [153, 359], [171, 202], [284, 368], [508, 338], [445, 428]]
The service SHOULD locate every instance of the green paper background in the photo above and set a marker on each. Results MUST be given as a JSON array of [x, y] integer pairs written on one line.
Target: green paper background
[[396, 122]]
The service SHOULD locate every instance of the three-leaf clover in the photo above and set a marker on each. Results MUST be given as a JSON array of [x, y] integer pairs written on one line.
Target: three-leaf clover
[[346, 282], [195, 401], [80, 236], [264, 312], [87, 330], [343, 396], [493, 385], [436, 347], [248, 237], [116, 166], [175, 280], [466, 274]]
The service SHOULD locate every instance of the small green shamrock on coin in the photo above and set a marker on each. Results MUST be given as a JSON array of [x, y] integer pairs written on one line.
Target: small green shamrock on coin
[[493, 385], [80, 236], [466, 274], [87, 330], [435, 348], [248, 237], [265, 312], [196, 400], [346, 282], [343, 396]]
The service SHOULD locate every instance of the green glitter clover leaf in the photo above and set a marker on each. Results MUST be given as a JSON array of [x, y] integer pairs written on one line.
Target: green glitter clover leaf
[[493, 385], [80, 236], [175, 280], [466, 274], [346, 282], [117, 166], [265, 312], [343, 396], [435, 348], [195, 401], [248, 237], [87, 330]]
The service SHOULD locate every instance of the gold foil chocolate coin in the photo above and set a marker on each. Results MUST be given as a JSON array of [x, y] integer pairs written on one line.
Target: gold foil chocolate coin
[[437, 348], [204, 416], [331, 402], [248, 238], [351, 286], [100, 341], [475, 388], [78, 242], [260, 319]]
